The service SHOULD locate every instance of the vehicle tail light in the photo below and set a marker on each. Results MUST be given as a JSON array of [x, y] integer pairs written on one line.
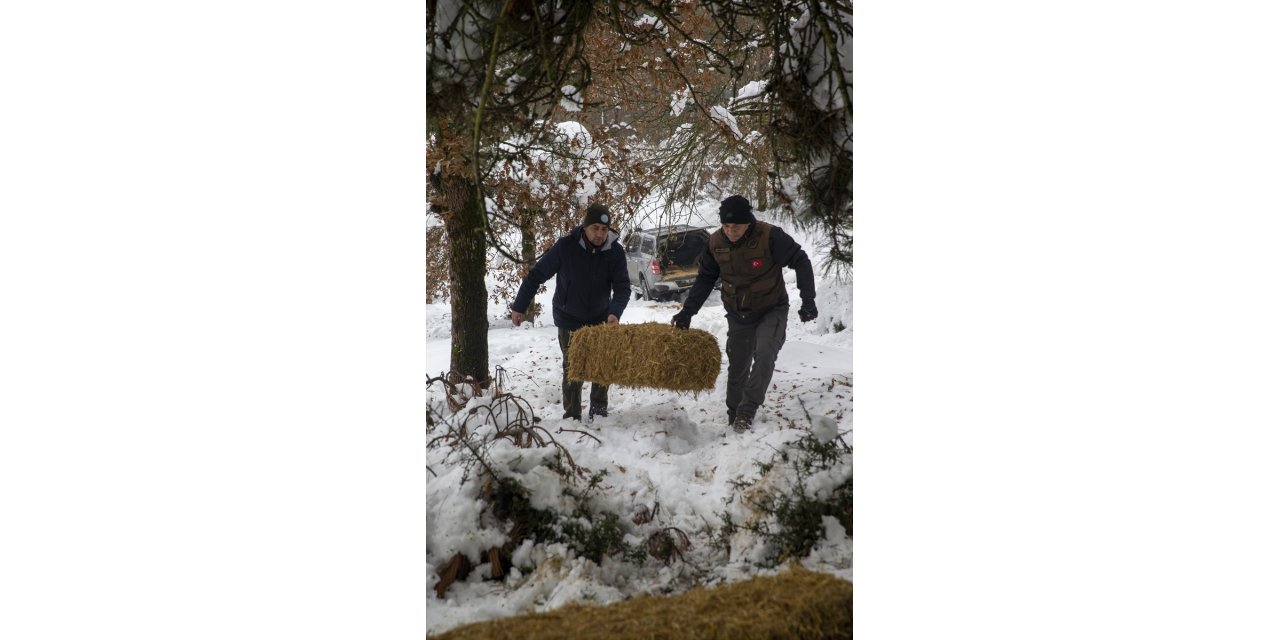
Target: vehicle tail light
[[655, 267]]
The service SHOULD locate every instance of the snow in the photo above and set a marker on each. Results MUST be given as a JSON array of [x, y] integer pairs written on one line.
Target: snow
[[646, 21], [722, 115], [751, 90], [581, 158], [678, 101], [657, 447], [572, 100], [514, 81]]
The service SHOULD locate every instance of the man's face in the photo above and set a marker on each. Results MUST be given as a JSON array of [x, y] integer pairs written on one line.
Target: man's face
[[596, 233], [734, 232]]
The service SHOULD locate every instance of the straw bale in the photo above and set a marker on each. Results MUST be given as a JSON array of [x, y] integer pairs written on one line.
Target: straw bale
[[797, 603], [645, 355]]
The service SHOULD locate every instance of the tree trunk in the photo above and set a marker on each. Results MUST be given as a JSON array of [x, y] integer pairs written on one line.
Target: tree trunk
[[528, 250], [527, 241], [464, 224]]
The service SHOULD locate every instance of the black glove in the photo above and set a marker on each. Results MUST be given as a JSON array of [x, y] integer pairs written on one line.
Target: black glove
[[808, 310], [681, 320]]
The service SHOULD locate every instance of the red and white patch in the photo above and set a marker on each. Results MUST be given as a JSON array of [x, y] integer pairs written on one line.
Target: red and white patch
[[755, 264]]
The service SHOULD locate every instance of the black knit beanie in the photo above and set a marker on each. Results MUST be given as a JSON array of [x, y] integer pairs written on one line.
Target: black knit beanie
[[736, 210], [597, 214]]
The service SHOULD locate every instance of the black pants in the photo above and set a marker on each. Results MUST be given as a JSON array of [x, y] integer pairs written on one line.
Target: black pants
[[752, 351], [572, 391]]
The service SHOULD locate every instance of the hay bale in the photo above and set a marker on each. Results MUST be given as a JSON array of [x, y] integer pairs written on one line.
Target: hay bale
[[645, 355], [798, 603]]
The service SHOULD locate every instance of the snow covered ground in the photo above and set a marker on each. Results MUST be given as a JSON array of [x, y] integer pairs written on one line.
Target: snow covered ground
[[657, 446]]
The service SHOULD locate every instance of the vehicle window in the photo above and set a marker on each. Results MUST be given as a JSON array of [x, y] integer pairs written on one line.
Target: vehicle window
[[647, 245], [685, 248], [632, 241]]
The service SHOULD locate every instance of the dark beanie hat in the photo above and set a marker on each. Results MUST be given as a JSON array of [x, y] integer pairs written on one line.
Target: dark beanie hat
[[597, 214], [735, 210]]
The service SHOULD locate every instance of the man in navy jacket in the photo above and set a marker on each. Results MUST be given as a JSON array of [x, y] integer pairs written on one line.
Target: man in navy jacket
[[588, 264]]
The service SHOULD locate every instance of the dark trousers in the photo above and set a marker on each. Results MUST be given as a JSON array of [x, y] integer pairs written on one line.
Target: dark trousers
[[752, 351], [572, 391]]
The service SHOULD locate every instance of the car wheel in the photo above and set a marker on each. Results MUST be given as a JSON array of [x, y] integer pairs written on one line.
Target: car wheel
[[644, 288]]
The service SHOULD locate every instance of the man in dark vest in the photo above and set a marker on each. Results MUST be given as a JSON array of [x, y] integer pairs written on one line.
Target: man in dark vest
[[592, 287], [747, 257]]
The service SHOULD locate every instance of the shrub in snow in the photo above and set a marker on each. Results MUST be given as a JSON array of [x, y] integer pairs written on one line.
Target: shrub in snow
[[528, 488], [778, 515]]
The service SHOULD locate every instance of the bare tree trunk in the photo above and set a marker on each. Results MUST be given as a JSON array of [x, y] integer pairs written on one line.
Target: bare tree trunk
[[527, 240], [464, 224], [528, 249]]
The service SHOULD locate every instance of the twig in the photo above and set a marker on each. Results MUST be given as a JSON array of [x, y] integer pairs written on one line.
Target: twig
[[581, 433]]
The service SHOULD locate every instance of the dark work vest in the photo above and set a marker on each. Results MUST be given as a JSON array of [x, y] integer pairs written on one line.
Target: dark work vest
[[750, 280]]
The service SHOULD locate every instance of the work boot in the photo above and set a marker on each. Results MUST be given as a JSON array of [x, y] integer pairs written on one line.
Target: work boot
[[575, 416], [597, 410], [733, 415], [742, 423]]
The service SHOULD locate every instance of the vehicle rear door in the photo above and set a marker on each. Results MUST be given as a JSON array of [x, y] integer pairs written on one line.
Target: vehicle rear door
[[632, 247]]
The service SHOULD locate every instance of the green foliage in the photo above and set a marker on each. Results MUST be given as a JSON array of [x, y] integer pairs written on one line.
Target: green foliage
[[603, 536], [585, 527], [720, 536], [511, 502], [790, 519], [590, 533]]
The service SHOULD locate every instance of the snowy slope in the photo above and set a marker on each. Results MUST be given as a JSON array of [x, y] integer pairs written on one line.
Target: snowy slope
[[657, 446]]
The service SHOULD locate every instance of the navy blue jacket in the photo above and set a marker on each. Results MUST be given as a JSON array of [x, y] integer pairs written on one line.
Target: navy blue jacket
[[585, 277]]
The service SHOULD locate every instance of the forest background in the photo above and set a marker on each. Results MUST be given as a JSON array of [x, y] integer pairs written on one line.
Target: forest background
[[1065, 350], [675, 100]]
